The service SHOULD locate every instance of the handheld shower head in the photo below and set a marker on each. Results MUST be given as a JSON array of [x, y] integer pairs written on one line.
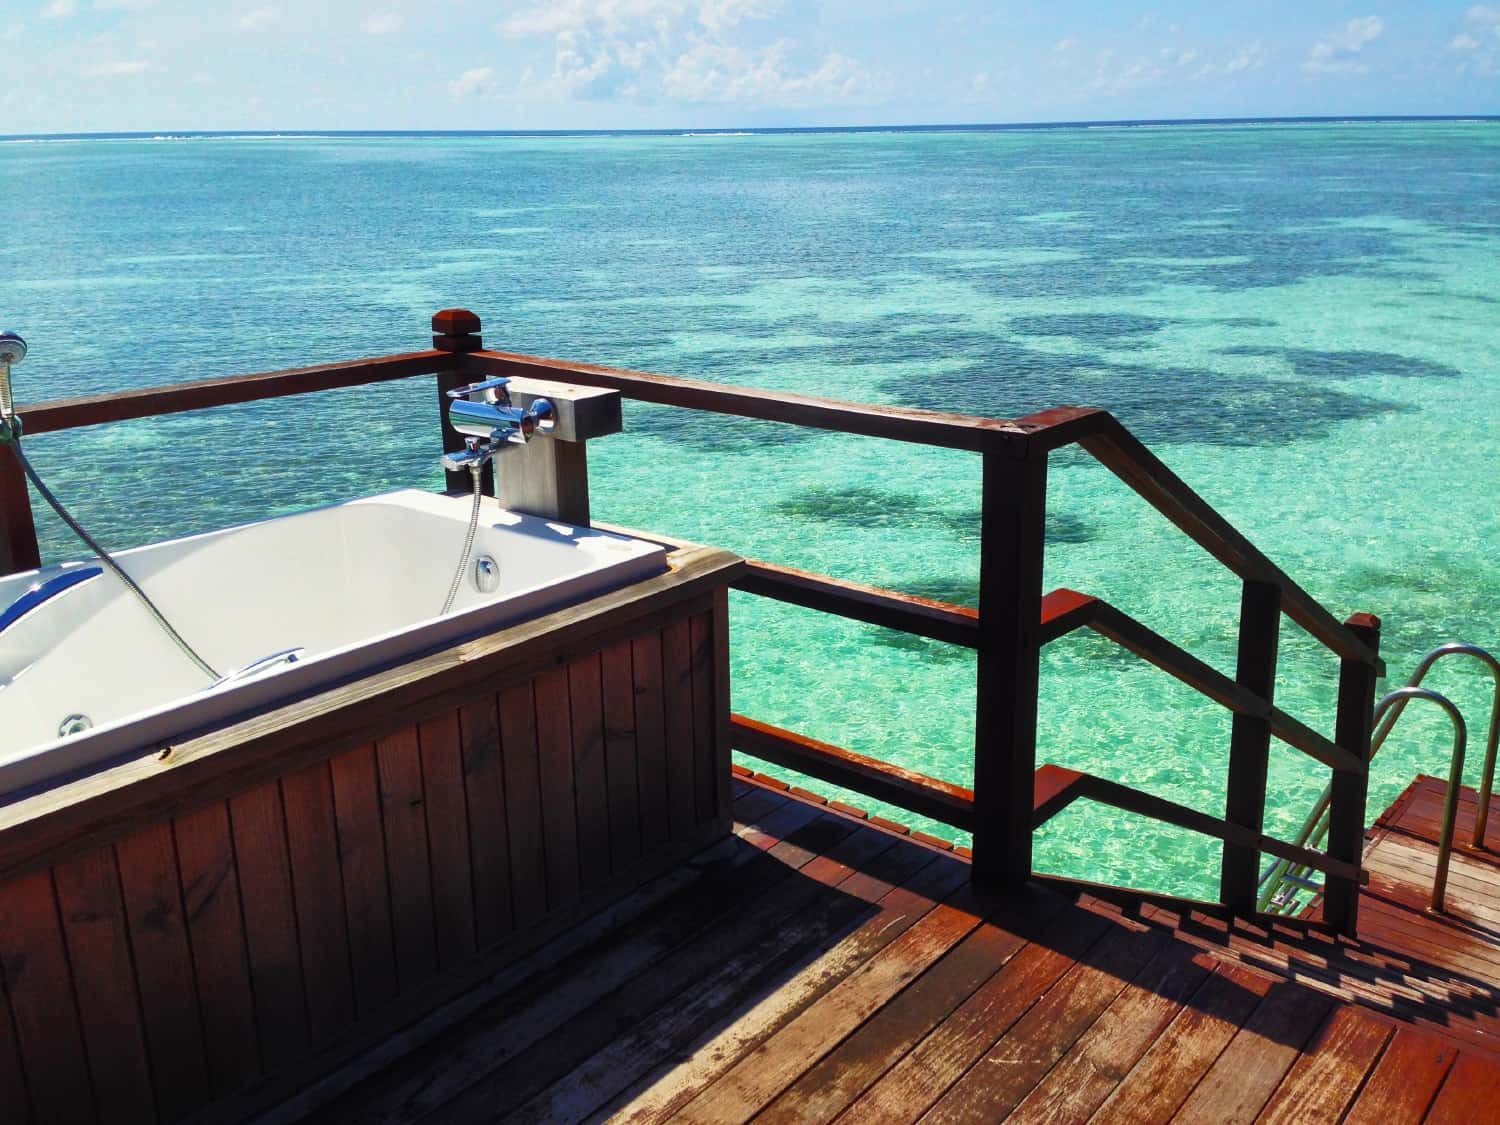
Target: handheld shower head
[[12, 350]]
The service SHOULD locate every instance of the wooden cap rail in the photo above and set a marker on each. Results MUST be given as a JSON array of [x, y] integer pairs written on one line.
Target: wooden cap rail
[[1007, 631]]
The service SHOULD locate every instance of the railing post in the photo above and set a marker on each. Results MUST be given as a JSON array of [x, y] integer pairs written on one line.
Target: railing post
[[457, 331], [1346, 811], [1010, 604], [18, 545], [1250, 741]]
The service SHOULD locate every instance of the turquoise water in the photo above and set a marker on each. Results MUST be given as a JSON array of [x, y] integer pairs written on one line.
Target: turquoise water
[[1303, 321]]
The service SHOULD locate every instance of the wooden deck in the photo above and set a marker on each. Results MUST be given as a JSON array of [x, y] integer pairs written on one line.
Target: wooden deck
[[819, 967]]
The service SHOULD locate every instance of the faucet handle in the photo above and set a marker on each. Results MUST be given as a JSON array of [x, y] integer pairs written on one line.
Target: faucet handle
[[491, 390]]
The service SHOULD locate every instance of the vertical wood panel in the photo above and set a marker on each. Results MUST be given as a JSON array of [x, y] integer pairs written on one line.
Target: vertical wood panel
[[211, 902], [650, 739], [1347, 792], [448, 838], [265, 872], [489, 844], [677, 699], [620, 756], [317, 890], [590, 778], [1250, 742], [164, 969], [722, 704], [525, 826], [554, 737], [15, 1106], [705, 722], [367, 896], [88, 897], [39, 984], [406, 854]]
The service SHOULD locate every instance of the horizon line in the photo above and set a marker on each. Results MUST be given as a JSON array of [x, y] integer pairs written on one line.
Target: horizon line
[[996, 126]]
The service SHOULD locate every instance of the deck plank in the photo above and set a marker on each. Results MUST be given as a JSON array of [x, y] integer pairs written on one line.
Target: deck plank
[[1322, 1083], [1405, 1080], [1470, 1092]]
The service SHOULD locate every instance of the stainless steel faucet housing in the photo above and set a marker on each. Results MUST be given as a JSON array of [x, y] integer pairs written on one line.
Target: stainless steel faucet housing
[[489, 423]]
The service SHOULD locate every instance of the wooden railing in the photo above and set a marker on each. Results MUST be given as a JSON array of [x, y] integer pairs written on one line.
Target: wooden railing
[[1007, 631]]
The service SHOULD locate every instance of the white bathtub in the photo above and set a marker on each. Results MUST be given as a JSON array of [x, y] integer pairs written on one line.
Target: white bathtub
[[357, 586]]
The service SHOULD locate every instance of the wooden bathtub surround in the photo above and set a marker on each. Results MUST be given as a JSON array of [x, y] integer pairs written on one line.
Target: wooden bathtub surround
[[218, 923]]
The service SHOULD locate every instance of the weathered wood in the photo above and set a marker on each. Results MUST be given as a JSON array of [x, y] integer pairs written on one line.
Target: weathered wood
[[1470, 1092], [1346, 809], [405, 820], [590, 772], [447, 814], [889, 609], [271, 938], [216, 932], [651, 739], [620, 755], [201, 394], [43, 1002], [1250, 742], [88, 900], [317, 888], [677, 694], [169, 1001], [706, 765], [523, 803], [717, 698], [554, 730], [1405, 1080], [1010, 603], [489, 837], [926, 796], [1323, 1082], [18, 546], [367, 892], [925, 427]]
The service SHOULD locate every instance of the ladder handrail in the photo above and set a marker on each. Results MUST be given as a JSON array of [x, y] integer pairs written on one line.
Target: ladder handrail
[[1387, 712]]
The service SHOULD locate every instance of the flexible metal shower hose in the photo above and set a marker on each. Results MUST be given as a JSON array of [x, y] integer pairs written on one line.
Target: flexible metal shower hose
[[463, 558], [104, 556]]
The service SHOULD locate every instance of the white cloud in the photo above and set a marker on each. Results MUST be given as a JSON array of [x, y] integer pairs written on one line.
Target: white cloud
[[1064, 45], [59, 9], [124, 5], [1339, 53], [258, 18], [1464, 42], [118, 69], [1251, 57], [477, 82], [383, 23], [1479, 43], [691, 51]]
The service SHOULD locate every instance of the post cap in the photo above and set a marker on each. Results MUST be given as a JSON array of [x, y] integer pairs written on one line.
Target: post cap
[[455, 322]]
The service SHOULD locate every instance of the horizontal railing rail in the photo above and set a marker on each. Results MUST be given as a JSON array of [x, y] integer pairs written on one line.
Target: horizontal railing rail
[[1006, 631]]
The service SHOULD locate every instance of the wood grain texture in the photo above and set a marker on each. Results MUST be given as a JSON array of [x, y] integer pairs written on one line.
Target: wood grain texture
[[620, 755], [489, 838], [401, 801], [590, 771], [446, 808], [1323, 1082], [367, 893], [651, 739], [523, 803], [677, 702], [554, 735]]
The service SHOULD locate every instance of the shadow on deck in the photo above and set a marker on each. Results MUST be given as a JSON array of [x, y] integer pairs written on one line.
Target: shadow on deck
[[817, 967]]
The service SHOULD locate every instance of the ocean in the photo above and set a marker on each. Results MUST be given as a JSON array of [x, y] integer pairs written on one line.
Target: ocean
[[1301, 318]]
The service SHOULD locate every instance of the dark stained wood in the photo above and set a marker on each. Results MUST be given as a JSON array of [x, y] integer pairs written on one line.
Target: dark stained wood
[[554, 733], [216, 932], [620, 754], [926, 796], [1250, 742], [88, 900], [677, 697], [1470, 1093], [651, 739], [1405, 1080], [1011, 544], [706, 767], [18, 545], [1323, 1082], [717, 704], [405, 819], [523, 803], [489, 840], [168, 994], [271, 935], [1346, 809], [1053, 789], [317, 888], [590, 773], [924, 427], [367, 893], [200, 394], [447, 814], [39, 987], [889, 609], [15, 1105]]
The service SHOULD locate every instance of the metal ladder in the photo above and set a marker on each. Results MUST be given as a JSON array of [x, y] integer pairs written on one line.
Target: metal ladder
[[1283, 882]]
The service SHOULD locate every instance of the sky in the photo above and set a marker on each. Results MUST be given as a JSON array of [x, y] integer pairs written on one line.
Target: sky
[[165, 65]]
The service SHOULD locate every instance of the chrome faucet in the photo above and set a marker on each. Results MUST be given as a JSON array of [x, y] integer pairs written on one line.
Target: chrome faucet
[[489, 423]]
